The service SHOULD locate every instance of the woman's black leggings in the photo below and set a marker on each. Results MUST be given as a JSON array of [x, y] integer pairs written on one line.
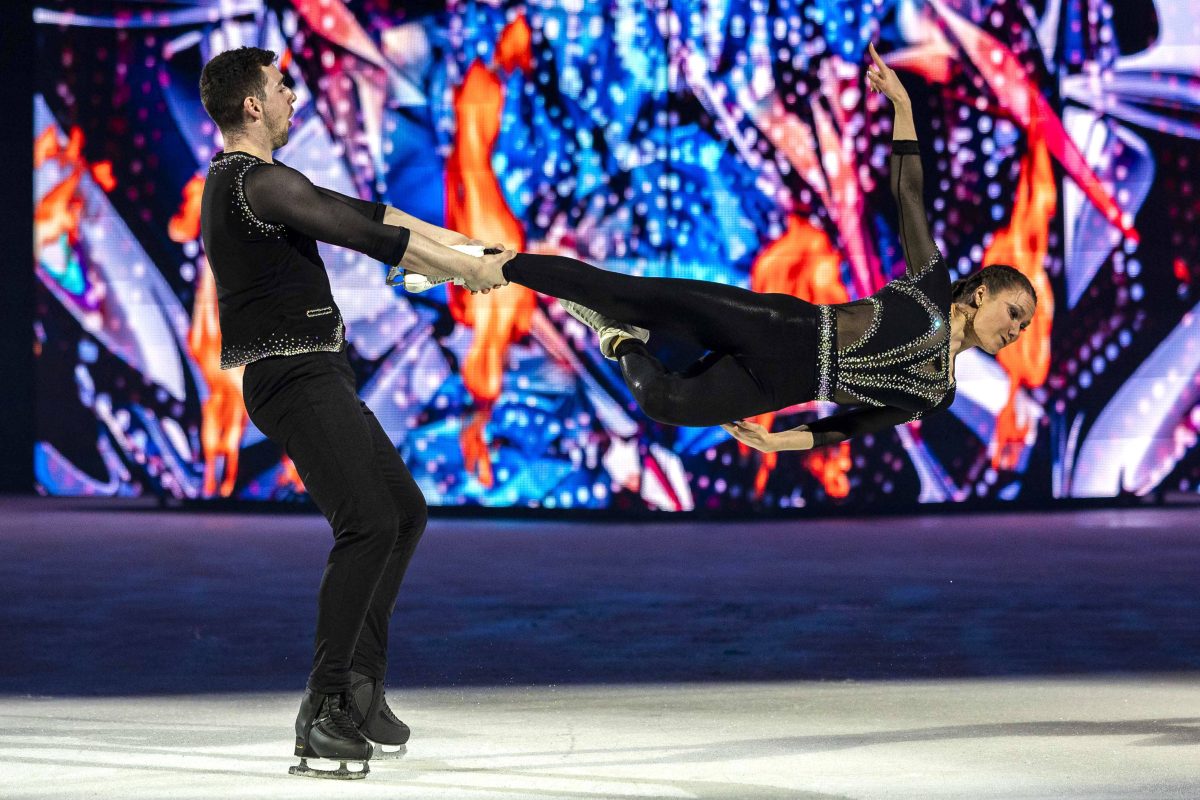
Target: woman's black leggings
[[762, 347], [308, 404]]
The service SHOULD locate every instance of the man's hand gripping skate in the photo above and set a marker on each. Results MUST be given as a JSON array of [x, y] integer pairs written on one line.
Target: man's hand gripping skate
[[476, 266]]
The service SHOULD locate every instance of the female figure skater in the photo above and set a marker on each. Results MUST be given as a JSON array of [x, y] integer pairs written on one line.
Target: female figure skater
[[891, 354]]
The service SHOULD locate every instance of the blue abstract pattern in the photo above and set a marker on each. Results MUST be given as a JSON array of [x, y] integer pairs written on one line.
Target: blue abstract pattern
[[724, 140]]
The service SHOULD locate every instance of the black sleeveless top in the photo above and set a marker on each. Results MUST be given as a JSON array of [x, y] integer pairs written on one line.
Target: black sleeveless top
[[260, 223], [889, 353]]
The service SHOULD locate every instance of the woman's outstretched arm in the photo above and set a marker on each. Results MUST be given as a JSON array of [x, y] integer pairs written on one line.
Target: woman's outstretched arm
[[907, 179], [821, 432]]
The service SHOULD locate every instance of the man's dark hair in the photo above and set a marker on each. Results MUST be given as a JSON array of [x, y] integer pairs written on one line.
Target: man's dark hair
[[228, 79]]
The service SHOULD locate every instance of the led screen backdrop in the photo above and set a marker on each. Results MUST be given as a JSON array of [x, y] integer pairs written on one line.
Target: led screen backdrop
[[724, 140]]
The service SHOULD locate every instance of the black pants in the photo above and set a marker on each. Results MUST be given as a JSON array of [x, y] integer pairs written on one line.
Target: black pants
[[308, 404], [762, 347]]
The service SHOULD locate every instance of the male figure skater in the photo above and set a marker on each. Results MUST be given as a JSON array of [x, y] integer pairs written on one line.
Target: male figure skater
[[260, 221]]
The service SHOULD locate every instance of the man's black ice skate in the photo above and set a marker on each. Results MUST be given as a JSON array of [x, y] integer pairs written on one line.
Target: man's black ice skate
[[374, 718], [324, 730]]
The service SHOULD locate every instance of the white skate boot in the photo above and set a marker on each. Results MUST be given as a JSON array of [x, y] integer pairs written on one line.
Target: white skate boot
[[609, 330], [415, 282]]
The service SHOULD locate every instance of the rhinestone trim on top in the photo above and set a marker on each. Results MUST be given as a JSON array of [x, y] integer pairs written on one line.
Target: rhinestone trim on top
[[933, 259], [901, 368], [284, 344], [825, 354], [242, 163]]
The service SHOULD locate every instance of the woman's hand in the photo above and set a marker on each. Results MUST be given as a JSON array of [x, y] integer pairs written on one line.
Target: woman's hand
[[798, 438], [751, 434], [882, 78], [487, 272], [496, 252]]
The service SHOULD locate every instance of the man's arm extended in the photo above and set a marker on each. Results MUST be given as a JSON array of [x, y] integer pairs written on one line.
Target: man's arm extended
[[443, 236], [277, 193], [280, 194], [390, 215]]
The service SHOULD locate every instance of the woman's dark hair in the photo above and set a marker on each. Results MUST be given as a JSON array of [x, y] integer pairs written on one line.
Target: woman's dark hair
[[228, 79], [997, 278]]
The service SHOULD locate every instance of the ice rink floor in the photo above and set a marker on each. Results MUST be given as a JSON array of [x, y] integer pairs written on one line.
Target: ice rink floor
[[161, 654], [1086, 739]]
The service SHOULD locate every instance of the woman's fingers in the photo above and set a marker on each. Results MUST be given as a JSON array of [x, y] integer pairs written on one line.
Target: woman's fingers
[[879, 65], [875, 79], [746, 432], [734, 430], [740, 430], [878, 75]]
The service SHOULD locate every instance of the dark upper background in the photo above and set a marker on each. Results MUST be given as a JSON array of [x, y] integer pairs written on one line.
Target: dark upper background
[[16, 247]]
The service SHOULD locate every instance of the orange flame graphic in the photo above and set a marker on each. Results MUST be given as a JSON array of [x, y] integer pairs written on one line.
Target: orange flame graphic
[[185, 225], [224, 412], [1024, 244], [475, 206], [60, 210]]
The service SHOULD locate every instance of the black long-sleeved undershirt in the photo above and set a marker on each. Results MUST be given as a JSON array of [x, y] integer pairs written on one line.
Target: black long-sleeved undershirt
[[284, 196]]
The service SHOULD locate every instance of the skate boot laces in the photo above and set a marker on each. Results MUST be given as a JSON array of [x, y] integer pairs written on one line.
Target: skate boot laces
[[339, 718], [385, 711]]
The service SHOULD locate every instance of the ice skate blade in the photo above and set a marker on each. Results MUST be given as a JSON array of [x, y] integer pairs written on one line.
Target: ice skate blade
[[414, 282], [340, 774], [389, 752]]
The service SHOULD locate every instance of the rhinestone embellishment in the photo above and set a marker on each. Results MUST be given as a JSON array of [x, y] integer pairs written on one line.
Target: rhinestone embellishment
[[284, 344], [919, 368], [242, 163]]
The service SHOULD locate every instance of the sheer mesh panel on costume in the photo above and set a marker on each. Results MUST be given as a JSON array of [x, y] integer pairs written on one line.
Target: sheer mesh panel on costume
[[279, 194], [893, 347], [908, 190]]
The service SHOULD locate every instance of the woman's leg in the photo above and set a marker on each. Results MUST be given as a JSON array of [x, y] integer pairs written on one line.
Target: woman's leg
[[720, 388], [723, 318]]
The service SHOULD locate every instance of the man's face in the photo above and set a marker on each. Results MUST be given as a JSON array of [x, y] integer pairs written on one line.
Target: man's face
[[277, 112]]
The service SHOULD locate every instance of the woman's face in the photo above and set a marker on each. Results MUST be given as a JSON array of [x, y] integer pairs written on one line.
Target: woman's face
[[1001, 317]]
